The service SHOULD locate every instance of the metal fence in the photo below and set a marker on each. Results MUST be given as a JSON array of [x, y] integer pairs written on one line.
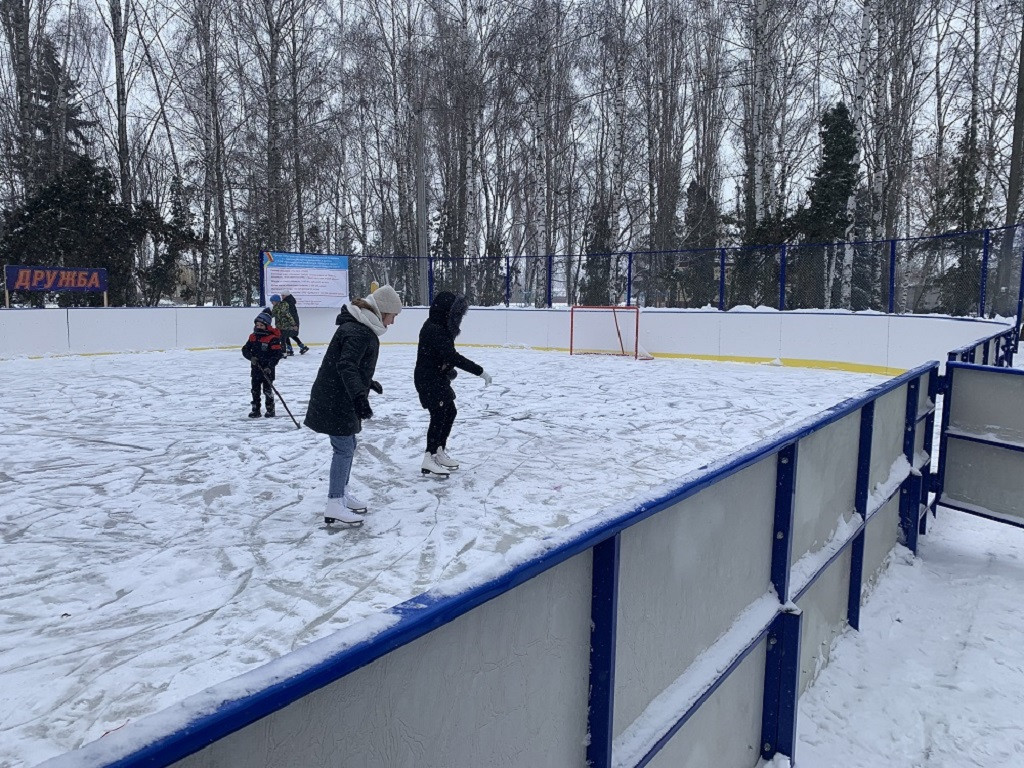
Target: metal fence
[[966, 274]]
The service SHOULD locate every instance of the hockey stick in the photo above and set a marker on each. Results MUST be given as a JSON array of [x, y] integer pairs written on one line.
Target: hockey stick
[[270, 381]]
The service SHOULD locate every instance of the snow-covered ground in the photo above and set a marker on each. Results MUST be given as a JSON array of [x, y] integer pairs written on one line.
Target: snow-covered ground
[[935, 677], [156, 541]]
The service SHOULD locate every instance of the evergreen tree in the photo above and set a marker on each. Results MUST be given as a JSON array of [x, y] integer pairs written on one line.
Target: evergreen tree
[[596, 283], [697, 270], [75, 220], [825, 219], [963, 211], [172, 240]]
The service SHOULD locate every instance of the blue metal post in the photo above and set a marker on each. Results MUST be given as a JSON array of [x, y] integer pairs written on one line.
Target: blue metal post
[[983, 288], [604, 598], [892, 277], [551, 263], [721, 280], [782, 668], [781, 687], [782, 277], [629, 280], [1020, 302], [263, 286], [785, 497], [508, 282], [910, 490], [867, 429], [430, 280]]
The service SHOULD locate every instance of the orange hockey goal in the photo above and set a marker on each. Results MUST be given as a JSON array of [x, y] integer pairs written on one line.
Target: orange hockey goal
[[605, 331]]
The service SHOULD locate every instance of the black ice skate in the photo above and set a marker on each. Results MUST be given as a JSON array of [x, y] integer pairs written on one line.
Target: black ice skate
[[255, 412]]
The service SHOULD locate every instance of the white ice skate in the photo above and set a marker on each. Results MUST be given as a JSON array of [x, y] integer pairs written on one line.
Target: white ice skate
[[442, 458], [354, 504], [336, 512], [430, 466]]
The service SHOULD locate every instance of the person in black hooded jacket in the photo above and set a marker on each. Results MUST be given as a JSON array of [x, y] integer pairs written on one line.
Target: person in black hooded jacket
[[436, 364], [339, 400]]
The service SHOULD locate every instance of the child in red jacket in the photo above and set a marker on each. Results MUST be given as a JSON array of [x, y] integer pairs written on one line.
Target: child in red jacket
[[264, 351]]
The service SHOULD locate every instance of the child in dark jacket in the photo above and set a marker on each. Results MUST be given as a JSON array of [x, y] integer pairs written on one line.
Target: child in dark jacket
[[263, 350], [436, 361]]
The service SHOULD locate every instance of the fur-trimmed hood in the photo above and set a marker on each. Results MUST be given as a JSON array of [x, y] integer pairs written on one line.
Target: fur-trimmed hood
[[448, 309]]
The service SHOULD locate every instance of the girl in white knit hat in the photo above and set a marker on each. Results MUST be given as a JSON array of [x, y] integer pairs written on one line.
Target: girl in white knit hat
[[339, 400]]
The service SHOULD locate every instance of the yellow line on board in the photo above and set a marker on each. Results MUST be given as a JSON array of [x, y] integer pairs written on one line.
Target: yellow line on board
[[793, 362], [789, 362]]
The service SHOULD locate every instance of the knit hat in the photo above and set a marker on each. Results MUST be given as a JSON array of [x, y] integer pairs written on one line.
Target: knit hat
[[387, 300], [275, 297], [264, 317]]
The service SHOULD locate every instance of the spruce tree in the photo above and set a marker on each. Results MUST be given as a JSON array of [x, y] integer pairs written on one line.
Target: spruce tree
[[825, 219]]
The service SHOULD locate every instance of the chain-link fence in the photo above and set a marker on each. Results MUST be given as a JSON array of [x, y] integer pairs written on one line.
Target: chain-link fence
[[963, 274]]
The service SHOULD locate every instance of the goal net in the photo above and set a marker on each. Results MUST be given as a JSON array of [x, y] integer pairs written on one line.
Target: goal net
[[606, 331]]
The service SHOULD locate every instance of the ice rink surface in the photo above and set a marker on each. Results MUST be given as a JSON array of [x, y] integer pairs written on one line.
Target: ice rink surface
[[157, 541]]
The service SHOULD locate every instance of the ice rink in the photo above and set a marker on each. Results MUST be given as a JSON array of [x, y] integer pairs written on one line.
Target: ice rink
[[157, 541]]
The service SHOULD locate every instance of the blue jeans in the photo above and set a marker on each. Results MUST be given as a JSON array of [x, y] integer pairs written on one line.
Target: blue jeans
[[341, 464]]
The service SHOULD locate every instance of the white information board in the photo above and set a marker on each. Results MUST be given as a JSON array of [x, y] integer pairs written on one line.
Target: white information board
[[314, 279]]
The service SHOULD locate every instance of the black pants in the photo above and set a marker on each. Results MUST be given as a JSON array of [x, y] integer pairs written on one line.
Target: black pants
[[259, 382], [286, 338], [441, 419]]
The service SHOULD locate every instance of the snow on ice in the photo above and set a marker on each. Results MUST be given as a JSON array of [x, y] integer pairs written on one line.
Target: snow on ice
[[157, 541]]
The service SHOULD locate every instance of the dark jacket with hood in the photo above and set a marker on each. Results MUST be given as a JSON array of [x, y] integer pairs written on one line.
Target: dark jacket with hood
[[436, 358], [344, 376], [288, 299]]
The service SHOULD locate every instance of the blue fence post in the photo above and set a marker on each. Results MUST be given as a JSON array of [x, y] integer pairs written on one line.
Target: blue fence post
[[785, 498], [983, 288], [860, 504], [721, 280], [782, 686], [782, 277], [1020, 300], [508, 282], [910, 490], [892, 277], [782, 658], [604, 599], [263, 287], [551, 276], [430, 280], [629, 279]]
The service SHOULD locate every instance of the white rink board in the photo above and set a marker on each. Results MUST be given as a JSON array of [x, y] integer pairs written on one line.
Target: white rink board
[[880, 536], [983, 481], [824, 608], [726, 731], [30, 332], [895, 342], [826, 483], [525, 654], [887, 434], [680, 588], [980, 404]]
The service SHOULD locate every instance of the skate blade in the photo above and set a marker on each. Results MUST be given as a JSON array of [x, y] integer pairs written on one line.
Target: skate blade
[[345, 523], [442, 475]]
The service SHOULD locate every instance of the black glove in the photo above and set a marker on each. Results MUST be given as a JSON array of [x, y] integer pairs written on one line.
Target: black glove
[[376, 387], [452, 373], [362, 406]]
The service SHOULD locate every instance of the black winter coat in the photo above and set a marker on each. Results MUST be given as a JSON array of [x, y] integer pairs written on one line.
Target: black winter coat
[[290, 301], [436, 357], [345, 374]]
